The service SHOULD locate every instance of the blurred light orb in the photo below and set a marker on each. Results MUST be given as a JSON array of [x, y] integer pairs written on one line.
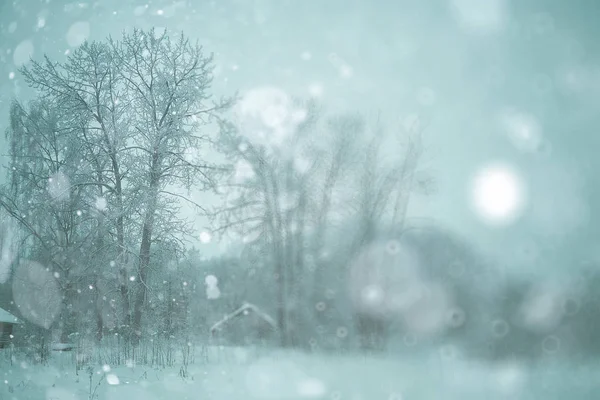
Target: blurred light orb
[[372, 295], [523, 130], [302, 164], [306, 56], [213, 292], [268, 116], [315, 90], [427, 316], [23, 52], [78, 33], [346, 71], [243, 171], [101, 204], [112, 379], [8, 251], [498, 194], [205, 237], [383, 278], [542, 309], [211, 280]]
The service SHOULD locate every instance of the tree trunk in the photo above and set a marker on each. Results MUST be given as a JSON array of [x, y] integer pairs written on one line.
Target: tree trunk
[[67, 316], [141, 293], [122, 257], [98, 302], [280, 266], [99, 320]]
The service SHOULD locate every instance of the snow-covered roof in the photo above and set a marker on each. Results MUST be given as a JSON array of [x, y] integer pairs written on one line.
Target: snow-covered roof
[[244, 307], [5, 316]]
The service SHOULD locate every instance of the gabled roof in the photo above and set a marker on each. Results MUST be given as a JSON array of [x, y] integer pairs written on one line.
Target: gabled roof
[[245, 307], [5, 316]]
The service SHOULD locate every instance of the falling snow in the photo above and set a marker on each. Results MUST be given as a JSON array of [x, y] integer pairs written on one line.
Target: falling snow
[[101, 204], [59, 187], [403, 208]]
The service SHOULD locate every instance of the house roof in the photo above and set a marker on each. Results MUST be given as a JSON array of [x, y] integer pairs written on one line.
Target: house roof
[[245, 307], [5, 316]]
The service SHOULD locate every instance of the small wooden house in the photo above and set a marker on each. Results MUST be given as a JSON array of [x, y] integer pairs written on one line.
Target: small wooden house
[[246, 325], [7, 322]]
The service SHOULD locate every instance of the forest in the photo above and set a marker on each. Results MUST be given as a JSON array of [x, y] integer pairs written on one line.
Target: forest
[[101, 253]]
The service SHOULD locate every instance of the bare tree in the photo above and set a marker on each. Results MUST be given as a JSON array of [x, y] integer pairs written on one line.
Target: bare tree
[[291, 210], [41, 198], [339, 145], [267, 202], [167, 83], [385, 185], [113, 126], [89, 84]]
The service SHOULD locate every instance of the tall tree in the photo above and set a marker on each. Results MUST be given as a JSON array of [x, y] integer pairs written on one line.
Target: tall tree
[[47, 204], [289, 199], [167, 83], [267, 201], [108, 143], [88, 84]]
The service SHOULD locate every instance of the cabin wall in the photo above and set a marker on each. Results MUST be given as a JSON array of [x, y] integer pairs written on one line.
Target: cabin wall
[[245, 330]]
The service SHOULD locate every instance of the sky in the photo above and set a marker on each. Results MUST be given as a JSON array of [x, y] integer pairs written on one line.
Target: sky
[[510, 90]]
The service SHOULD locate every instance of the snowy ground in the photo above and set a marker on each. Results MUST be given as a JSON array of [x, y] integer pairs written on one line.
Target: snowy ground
[[232, 374]]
